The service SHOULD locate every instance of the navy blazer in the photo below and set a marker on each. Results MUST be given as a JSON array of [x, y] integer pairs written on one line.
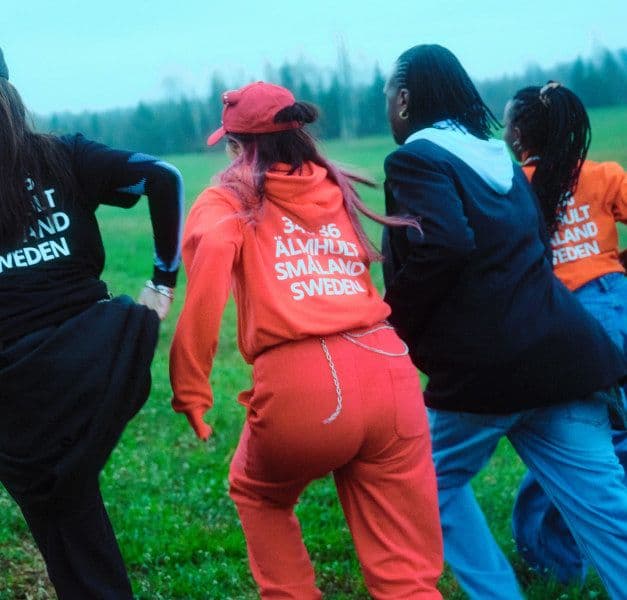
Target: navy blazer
[[475, 297]]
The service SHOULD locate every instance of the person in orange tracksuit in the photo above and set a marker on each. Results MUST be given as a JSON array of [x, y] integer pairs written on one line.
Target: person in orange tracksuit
[[333, 387], [582, 200]]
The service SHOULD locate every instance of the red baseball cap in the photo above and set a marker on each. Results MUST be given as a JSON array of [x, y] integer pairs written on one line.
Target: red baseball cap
[[252, 108]]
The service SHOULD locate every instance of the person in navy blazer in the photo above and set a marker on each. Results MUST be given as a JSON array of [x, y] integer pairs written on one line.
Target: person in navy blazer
[[508, 350]]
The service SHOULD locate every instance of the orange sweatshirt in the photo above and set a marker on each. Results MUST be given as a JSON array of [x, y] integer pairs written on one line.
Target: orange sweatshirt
[[299, 271], [585, 245]]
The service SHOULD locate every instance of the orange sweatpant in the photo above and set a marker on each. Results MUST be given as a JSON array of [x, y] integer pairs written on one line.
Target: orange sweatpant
[[375, 440]]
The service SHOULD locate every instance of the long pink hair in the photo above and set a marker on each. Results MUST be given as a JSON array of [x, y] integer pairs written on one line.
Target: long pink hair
[[245, 177]]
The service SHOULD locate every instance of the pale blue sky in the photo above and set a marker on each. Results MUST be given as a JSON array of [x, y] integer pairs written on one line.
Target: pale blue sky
[[83, 54]]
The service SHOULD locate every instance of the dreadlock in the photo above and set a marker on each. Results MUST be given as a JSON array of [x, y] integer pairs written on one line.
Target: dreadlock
[[439, 88], [554, 127]]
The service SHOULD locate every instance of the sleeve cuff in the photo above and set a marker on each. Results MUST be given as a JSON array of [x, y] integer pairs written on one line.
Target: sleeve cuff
[[195, 419], [167, 278]]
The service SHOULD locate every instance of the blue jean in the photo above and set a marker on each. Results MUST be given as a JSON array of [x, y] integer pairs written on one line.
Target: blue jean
[[606, 299], [541, 535], [568, 448]]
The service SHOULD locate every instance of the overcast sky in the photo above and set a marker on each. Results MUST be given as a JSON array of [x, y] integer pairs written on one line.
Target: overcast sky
[[90, 55]]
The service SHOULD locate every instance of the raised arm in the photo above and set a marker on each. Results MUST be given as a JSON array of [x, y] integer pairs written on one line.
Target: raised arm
[[119, 178]]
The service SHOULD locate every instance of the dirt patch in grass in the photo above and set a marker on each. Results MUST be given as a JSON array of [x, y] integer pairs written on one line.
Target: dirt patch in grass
[[24, 574]]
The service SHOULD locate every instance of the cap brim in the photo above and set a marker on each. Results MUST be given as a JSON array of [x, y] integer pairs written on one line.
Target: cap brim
[[216, 136]]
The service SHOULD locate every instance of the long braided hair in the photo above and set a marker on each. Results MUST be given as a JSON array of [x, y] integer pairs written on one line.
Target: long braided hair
[[245, 177], [555, 131], [439, 89]]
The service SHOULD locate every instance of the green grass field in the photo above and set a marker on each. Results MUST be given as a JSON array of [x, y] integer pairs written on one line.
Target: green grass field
[[167, 492]]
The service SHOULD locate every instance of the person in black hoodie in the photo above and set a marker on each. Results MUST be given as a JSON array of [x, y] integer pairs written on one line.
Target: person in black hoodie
[[508, 350], [74, 363]]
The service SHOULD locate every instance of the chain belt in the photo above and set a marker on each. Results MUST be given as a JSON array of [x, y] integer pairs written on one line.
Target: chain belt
[[354, 338]]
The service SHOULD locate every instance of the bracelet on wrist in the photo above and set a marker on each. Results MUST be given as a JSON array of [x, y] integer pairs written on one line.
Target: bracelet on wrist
[[164, 290]]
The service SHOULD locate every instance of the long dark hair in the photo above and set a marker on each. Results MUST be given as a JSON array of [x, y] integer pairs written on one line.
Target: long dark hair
[[24, 154], [246, 175], [554, 127], [439, 89]]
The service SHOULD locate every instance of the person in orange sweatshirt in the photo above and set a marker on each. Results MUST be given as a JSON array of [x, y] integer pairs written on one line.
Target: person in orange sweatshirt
[[582, 200], [333, 387]]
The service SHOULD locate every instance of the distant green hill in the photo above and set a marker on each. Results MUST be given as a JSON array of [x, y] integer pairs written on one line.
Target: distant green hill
[[609, 134]]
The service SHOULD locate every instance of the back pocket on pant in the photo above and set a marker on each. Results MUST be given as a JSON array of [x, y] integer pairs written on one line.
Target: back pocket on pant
[[410, 418]]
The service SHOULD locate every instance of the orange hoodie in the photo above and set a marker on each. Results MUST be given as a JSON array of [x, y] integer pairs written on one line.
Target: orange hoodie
[[585, 245], [299, 271]]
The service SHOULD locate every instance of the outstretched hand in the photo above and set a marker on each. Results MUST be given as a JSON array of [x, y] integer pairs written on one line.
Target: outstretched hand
[[155, 300]]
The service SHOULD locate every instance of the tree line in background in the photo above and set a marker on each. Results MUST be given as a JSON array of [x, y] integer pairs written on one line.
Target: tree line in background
[[350, 107]]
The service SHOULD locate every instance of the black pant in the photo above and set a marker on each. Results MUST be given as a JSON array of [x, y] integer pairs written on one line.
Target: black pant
[[66, 393], [76, 539]]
